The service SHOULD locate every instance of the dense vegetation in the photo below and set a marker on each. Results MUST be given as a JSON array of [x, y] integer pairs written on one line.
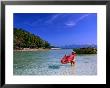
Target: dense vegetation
[[24, 39], [88, 50]]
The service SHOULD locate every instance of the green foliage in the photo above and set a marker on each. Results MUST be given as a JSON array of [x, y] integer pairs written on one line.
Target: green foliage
[[24, 39], [88, 50]]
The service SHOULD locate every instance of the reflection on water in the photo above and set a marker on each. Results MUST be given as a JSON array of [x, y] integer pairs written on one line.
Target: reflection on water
[[47, 62]]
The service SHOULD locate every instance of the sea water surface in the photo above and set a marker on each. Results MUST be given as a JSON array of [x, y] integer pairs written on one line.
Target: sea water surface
[[47, 62]]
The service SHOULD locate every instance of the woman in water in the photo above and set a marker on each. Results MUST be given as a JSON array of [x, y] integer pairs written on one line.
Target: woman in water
[[72, 56], [69, 59]]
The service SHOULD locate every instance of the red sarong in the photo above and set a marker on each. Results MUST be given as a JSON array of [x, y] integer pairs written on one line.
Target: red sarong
[[67, 59]]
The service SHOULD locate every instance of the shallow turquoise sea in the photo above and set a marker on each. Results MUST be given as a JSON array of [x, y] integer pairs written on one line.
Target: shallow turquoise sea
[[47, 62]]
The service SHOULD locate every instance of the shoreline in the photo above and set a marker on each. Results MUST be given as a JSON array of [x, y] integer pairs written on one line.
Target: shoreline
[[34, 49], [31, 49]]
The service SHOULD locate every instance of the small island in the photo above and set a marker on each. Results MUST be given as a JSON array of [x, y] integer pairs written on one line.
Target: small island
[[26, 41], [86, 50]]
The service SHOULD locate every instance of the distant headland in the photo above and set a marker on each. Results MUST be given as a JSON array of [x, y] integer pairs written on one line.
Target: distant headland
[[86, 50]]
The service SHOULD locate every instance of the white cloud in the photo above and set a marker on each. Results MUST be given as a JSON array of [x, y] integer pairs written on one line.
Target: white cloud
[[73, 23], [32, 23], [53, 18], [82, 17]]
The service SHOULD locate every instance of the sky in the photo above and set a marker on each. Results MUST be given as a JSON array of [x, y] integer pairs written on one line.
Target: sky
[[60, 29]]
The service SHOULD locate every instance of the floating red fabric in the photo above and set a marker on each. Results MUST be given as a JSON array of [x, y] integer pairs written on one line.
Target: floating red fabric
[[67, 59]]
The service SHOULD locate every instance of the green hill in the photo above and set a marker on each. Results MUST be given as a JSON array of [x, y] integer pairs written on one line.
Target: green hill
[[25, 39]]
